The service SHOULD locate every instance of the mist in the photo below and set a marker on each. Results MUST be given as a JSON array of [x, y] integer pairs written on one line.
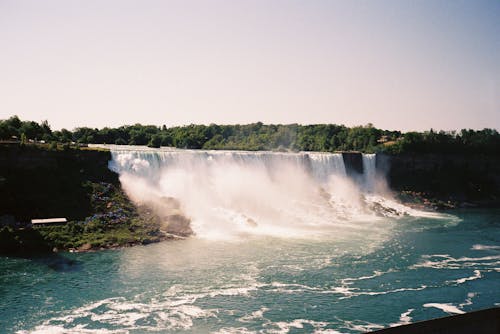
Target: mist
[[230, 194]]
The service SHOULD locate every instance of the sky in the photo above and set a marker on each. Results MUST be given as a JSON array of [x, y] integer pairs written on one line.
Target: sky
[[405, 65]]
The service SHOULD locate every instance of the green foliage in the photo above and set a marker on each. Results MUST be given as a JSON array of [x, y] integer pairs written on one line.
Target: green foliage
[[114, 222], [120, 141], [258, 136], [486, 141], [14, 127], [155, 141]]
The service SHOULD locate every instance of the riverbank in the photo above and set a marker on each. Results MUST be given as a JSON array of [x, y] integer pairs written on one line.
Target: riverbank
[[426, 201]]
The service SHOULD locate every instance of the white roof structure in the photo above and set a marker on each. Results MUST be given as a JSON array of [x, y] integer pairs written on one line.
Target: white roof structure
[[49, 221]]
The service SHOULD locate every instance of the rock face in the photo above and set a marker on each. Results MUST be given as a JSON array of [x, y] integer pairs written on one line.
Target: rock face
[[353, 162], [178, 224], [37, 182], [167, 212], [85, 247], [459, 177]]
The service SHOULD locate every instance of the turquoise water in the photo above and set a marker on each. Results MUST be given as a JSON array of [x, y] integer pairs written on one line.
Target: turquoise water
[[412, 269]]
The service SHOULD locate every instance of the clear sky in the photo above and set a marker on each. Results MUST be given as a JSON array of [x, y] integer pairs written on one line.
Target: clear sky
[[408, 65]]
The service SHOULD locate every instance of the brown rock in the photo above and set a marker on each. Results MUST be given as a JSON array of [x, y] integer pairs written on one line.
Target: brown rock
[[178, 224], [85, 247]]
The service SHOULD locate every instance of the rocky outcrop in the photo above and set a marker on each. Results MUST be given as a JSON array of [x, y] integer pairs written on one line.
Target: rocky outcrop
[[168, 214]]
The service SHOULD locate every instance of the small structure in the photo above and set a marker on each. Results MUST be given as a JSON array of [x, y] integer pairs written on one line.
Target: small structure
[[48, 222], [383, 139]]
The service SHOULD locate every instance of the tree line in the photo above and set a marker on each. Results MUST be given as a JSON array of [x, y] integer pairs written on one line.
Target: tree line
[[259, 136]]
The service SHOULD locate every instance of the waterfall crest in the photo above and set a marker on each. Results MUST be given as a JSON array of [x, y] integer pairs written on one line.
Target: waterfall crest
[[150, 162]]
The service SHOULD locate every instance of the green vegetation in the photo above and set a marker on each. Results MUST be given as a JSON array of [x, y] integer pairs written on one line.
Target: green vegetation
[[115, 222], [258, 136]]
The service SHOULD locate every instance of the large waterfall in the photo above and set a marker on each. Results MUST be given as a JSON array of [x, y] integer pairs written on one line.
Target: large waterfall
[[227, 193]]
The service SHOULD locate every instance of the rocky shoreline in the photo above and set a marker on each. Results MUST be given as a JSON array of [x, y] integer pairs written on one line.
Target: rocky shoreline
[[425, 201], [88, 248]]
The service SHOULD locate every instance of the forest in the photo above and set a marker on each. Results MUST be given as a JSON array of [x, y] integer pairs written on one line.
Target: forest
[[259, 136]]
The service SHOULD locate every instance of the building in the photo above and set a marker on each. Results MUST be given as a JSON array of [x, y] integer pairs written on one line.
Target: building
[[48, 222]]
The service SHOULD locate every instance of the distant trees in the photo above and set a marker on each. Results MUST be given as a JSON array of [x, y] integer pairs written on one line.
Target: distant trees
[[14, 127], [466, 141], [155, 141], [259, 136]]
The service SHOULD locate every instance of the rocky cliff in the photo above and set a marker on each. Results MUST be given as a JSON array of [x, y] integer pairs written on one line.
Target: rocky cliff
[[37, 182], [456, 177]]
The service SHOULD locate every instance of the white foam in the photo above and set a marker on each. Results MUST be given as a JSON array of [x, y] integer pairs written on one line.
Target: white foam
[[361, 326], [440, 261], [404, 318], [326, 331], [376, 293], [256, 315], [285, 327], [346, 291], [448, 308], [79, 329], [234, 330], [167, 314], [376, 273], [485, 247], [468, 300], [293, 287], [477, 275]]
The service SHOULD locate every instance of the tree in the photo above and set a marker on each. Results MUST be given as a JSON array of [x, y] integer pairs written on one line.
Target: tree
[[32, 130], [138, 137], [155, 141], [14, 121], [120, 141]]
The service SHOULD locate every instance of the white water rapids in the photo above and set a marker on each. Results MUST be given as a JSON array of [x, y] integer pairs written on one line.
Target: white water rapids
[[228, 193]]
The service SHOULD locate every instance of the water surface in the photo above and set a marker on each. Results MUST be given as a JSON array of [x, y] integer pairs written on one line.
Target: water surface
[[413, 269]]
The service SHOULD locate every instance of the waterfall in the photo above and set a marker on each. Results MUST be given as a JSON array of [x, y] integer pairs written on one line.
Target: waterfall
[[369, 171], [227, 193], [324, 165]]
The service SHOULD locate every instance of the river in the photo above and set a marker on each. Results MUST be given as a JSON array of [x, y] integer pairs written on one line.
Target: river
[[420, 269]]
